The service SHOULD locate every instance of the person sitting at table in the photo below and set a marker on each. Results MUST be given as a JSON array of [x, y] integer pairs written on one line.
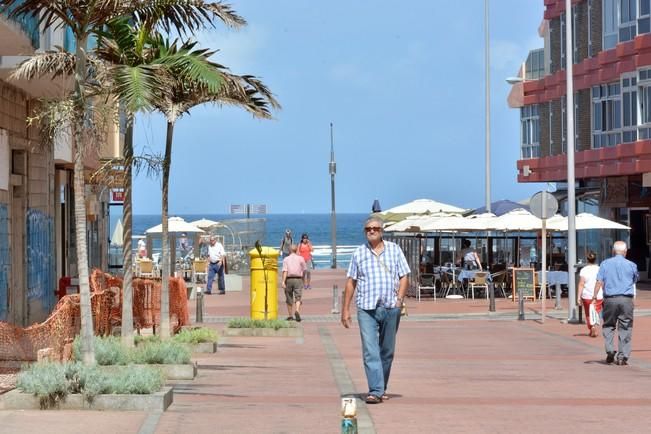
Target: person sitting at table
[[469, 258]]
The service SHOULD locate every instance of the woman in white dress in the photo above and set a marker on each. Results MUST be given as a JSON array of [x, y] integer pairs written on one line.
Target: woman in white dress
[[587, 281]]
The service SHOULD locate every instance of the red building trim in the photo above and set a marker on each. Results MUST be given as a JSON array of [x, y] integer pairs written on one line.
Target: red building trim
[[554, 8], [625, 159], [607, 66]]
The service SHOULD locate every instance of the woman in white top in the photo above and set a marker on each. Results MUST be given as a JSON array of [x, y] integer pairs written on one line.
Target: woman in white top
[[469, 257], [587, 281]]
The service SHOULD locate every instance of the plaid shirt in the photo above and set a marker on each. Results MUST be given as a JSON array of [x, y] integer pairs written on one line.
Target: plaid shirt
[[377, 275]]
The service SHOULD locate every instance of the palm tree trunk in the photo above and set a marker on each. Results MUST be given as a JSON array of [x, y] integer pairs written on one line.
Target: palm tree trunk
[[165, 288], [127, 257], [87, 348]]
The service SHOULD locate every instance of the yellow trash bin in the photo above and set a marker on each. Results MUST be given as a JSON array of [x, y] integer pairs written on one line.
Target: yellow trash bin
[[264, 283]]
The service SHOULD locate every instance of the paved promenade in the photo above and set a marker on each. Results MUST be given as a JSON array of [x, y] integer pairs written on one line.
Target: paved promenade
[[457, 369]]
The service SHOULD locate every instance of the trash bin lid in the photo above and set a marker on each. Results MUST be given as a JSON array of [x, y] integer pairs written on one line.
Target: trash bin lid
[[267, 252]]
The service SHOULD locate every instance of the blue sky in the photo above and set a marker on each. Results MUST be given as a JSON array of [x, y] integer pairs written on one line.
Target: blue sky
[[403, 84]]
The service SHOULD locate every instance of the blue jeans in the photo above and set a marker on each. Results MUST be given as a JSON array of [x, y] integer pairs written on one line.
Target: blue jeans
[[217, 269], [378, 328]]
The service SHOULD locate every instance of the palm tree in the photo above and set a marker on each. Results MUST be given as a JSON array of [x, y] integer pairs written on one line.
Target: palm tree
[[144, 67], [86, 18], [244, 91]]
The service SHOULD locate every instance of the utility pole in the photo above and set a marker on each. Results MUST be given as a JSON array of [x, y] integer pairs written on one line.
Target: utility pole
[[332, 167]]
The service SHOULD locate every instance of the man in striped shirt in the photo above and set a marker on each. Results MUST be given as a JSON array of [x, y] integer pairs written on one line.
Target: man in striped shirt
[[378, 271]]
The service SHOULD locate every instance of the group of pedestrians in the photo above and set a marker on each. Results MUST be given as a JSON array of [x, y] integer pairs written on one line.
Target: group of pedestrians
[[610, 288], [378, 277]]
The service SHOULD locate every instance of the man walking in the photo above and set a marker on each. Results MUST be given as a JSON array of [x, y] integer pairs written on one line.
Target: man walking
[[216, 256], [293, 270], [617, 277], [378, 271]]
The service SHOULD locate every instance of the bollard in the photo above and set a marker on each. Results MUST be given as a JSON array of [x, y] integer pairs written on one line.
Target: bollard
[[335, 299], [520, 305], [349, 416], [199, 314], [491, 293]]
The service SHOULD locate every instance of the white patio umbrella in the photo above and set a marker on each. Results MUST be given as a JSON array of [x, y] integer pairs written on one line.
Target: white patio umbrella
[[414, 223], [204, 223], [422, 206], [175, 224], [584, 221], [518, 220], [116, 238], [473, 223]]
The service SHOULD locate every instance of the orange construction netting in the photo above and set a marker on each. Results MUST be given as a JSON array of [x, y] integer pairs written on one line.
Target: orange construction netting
[[146, 300], [63, 324], [59, 329]]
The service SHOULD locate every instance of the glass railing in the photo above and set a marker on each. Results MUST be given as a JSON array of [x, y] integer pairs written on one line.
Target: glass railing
[[29, 25]]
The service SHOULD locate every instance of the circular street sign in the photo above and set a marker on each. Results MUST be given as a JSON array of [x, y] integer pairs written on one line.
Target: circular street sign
[[543, 205]]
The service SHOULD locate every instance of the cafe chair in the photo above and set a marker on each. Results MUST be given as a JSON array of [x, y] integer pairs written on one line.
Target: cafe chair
[[145, 268], [199, 269], [499, 280], [427, 284], [479, 281]]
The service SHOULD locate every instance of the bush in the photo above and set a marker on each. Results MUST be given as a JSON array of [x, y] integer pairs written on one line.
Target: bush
[[241, 323], [165, 352], [47, 381], [196, 336], [110, 351], [52, 382], [139, 339]]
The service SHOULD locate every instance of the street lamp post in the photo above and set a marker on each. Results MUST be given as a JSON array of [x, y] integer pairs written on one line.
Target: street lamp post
[[571, 201], [332, 167], [488, 107]]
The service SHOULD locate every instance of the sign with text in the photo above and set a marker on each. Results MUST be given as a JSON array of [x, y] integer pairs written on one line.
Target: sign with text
[[117, 196], [524, 279]]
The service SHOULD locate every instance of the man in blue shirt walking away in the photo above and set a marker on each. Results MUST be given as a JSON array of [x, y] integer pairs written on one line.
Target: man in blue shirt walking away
[[378, 271], [617, 277]]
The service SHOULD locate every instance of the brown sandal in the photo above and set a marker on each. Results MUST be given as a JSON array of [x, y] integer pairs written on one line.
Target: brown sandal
[[372, 399], [385, 397]]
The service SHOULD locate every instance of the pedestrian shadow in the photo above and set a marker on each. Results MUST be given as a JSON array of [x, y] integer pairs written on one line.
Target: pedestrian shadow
[[362, 396], [596, 362]]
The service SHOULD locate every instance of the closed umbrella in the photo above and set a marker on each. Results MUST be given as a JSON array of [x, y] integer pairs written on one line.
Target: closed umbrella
[[117, 237]]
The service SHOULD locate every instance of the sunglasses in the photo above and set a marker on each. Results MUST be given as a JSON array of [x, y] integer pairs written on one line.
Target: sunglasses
[[373, 229]]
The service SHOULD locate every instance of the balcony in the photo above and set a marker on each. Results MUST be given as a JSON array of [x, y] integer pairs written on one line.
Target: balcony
[[18, 35]]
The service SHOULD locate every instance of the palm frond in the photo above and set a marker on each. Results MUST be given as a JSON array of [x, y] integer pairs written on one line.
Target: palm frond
[[50, 63], [193, 66], [136, 86], [183, 16]]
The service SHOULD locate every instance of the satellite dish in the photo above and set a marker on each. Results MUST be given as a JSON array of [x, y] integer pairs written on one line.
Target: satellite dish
[[543, 205]]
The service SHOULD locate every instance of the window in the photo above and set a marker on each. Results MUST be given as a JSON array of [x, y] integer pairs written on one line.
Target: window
[[609, 24], [644, 13], [627, 19], [535, 65], [551, 122], [530, 121], [644, 102], [629, 108], [564, 123], [606, 115], [590, 52]]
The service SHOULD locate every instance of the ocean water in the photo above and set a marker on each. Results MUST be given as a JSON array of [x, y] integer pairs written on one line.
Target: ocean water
[[317, 226]]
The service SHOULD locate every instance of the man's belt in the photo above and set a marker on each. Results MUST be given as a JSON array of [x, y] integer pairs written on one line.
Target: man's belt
[[294, 277]]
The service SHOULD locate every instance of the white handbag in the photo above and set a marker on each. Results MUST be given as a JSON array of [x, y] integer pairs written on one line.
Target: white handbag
[[595, 319]]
